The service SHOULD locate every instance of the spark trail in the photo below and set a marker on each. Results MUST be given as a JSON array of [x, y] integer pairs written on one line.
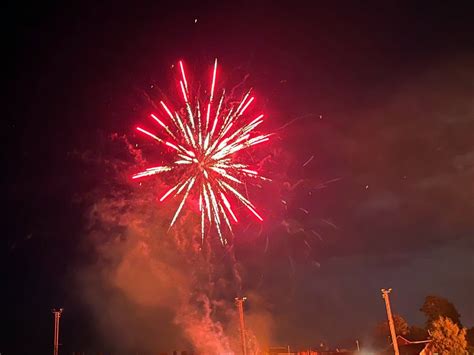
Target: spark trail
[[207, 146]]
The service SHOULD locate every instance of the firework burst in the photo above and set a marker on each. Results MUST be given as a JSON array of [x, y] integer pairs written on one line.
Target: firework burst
[[206, 139]]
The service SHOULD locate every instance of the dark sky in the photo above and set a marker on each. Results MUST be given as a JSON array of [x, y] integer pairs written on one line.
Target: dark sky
[[386, 96]]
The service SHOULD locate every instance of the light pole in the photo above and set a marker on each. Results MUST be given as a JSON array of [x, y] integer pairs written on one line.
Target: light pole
[[57, 315], [239, 302], [390, 319]]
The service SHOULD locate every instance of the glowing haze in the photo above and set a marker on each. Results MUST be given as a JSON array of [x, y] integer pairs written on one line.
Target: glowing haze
[[207, 139]]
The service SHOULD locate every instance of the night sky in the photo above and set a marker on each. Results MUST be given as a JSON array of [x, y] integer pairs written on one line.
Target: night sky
[[383, 98]]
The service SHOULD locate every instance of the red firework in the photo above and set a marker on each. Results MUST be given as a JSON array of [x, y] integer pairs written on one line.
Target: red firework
[[206, 146]]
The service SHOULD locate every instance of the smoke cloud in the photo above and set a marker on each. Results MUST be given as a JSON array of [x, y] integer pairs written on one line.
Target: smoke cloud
[[153, 289]]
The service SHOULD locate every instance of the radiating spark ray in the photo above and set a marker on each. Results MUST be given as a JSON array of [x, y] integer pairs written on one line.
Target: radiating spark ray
[[208, 114], [166, 109], [246, 202], [217, 113], [168, 193], [183, 90], [199, 124], [227, 205], [213, 80], [182, 129], [182, 202], [216, 213], [163, 125], [242, 102], [202, 217], [207, 203], [183, 75], [152, 171], [150, 134], [226, 219], [308, 161], [172, 146], [245, 107]]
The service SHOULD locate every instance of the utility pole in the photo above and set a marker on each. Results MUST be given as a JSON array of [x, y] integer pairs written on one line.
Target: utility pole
[[57, 315], [239, 302], [390, 319]]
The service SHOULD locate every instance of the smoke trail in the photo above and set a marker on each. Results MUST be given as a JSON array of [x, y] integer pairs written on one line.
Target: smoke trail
[[148, 280]]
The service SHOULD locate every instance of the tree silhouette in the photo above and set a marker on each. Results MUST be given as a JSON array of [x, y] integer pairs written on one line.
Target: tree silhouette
[[435, 307], [382, 330], [470, 337], [447, 337]]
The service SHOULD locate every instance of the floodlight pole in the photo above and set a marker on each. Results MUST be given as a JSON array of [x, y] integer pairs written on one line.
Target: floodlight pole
[[57, 315], [239, 302], [390, 319]]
